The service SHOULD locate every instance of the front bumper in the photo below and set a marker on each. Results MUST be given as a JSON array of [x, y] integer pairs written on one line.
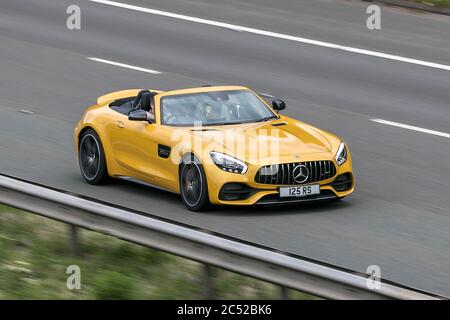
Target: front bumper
[[234, 189]]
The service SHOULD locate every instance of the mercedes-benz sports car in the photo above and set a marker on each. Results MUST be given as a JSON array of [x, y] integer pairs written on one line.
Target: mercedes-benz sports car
[[213, 145]]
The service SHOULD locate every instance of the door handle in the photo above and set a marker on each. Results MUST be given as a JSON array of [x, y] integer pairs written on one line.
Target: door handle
[[120, 124]]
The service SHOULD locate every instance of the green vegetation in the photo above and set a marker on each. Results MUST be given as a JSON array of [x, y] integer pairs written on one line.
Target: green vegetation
[[34, 257], [437, 3]]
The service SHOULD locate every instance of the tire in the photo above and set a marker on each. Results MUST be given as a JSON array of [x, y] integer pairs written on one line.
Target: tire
[[91, 158], [193, 186]]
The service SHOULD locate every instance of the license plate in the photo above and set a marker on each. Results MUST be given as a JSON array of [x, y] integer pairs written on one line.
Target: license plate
[[301, 191]]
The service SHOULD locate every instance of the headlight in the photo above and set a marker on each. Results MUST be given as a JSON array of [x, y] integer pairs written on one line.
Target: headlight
[[341, 155], [228, 163]]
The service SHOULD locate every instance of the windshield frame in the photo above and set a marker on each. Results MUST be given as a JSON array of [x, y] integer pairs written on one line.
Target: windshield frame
[[264, 103]]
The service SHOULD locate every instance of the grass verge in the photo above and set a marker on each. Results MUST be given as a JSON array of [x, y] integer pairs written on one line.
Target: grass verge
[[436, 3], [34, 257]]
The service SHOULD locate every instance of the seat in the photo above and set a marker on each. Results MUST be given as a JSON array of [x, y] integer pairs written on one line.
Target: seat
[[126, 105], [147, 101], [138, 98]]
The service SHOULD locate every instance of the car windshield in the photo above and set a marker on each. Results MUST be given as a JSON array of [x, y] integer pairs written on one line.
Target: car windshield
[[214, 108]]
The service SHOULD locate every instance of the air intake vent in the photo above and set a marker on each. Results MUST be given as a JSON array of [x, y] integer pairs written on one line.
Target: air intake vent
[[279, 124], [203, 129]]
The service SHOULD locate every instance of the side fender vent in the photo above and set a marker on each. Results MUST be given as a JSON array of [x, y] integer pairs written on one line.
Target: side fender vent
[[163, 151]]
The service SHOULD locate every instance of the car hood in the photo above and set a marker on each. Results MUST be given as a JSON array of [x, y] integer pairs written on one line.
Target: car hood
[[277, 139]]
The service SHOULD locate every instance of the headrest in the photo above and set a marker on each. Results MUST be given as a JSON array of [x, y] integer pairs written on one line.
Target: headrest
[[138, 98], [146, 100]]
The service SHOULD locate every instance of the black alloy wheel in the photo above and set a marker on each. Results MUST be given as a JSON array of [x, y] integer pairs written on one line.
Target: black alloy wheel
[[193, 186], [92, 158]]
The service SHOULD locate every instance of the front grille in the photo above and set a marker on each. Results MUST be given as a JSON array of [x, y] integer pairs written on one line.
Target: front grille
[[283, 174]]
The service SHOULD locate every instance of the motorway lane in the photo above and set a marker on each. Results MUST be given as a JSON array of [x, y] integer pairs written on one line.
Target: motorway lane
[[399, 216], [404, 32], [369, 85]]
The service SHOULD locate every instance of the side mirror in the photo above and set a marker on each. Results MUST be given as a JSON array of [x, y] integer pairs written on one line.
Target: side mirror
[[137, 115], [278, 105]]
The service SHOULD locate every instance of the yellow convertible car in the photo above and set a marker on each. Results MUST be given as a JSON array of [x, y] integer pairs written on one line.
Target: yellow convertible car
[[220, 145]]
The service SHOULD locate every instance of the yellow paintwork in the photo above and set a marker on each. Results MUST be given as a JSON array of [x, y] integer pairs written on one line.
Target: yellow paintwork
[[132, 151]]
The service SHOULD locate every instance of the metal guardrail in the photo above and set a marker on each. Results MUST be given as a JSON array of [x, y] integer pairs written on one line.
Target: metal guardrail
[[240, 257]]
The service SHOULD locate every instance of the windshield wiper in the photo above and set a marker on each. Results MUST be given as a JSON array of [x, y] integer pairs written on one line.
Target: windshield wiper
[[267, 118], [222, 123]]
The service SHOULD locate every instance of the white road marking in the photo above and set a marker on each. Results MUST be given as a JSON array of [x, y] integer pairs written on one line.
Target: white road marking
[[266, 95], [406, 126], [123, 65], [26, 111], [274, 34]]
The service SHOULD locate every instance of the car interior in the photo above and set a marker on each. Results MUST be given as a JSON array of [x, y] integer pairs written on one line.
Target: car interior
[[144, 100], [214, 107]]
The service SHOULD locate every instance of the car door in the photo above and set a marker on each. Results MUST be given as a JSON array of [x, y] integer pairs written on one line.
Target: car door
[[143, 149], [131, 145]]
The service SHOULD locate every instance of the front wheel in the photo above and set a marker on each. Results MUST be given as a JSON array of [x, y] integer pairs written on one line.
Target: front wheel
[[92, 158], [193, 186]]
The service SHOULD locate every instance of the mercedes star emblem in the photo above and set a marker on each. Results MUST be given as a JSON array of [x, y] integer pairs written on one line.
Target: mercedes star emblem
[[300, 173]]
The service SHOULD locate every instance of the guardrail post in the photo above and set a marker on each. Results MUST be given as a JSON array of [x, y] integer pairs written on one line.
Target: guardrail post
[[74, 240], [284, 293], [208, 287]]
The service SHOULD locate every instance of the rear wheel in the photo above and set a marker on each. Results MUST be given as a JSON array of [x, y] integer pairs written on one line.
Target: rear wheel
[[92, 159], [193, 186]]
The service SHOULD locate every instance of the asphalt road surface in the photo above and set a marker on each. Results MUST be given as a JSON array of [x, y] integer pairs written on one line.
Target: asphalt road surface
[[399, 216]]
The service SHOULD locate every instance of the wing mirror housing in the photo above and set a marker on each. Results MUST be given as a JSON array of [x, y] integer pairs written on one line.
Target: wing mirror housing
[[278, 105], [138, 115]]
